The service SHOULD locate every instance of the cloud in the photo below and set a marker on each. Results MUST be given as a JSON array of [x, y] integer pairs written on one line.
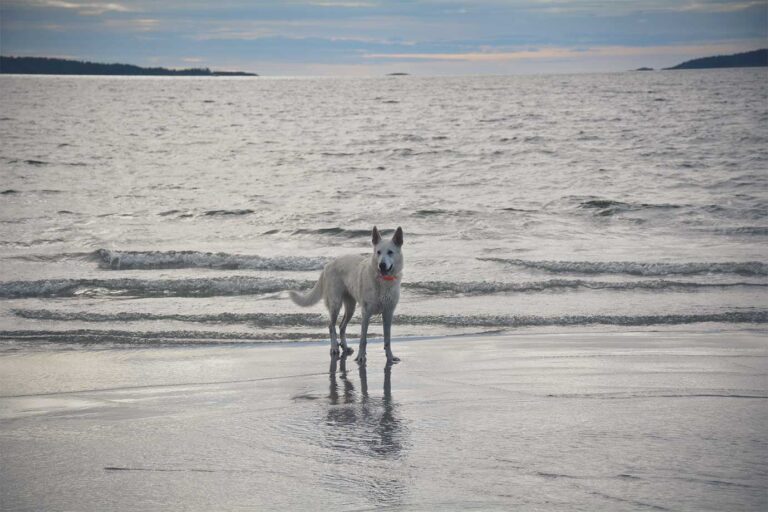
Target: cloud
[[133, 24], [340, 3], [720, 6], [623, 7], [559, 53], [369, 30], [88, 8]]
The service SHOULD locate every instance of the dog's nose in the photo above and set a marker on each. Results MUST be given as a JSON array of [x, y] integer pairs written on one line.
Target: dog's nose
[[383, 266]]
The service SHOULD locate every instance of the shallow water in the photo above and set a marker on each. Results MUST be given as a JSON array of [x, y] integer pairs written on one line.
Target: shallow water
[[177, 210]]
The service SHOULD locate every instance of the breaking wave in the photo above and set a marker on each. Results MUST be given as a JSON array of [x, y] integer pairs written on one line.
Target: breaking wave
[[746, 268], [334, 231], [212, 213], [510, 321], [143, 260], [246, 285], [608, 207], [109, 337], [153, 338], [491, 287], [741, 231], [257, 319], [439, 212], [148, 288], [485, 321]]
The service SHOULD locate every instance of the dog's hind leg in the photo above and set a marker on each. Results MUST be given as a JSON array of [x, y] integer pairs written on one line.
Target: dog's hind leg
[[333, 311], [349, 310]]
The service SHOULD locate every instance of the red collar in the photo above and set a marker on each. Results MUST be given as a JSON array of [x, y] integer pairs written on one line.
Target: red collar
[[388, 278]]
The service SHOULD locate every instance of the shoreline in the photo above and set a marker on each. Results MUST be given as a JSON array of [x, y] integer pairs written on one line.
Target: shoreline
[[21, 340]]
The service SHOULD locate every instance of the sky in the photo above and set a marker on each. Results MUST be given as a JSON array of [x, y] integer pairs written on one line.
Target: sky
[[375, 37]]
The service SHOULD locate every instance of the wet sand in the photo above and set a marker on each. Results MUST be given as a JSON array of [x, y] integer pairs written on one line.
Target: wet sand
[[632, 421]]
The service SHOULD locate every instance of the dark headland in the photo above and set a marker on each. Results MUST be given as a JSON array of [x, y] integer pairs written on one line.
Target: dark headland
[[47, 66], [756, 58]]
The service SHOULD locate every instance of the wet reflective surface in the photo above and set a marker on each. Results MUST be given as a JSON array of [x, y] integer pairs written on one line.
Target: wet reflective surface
[[631, 421]]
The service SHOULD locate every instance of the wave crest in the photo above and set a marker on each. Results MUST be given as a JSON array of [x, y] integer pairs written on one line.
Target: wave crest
[[491, 287], [144, 260], [153, 338], [320, 320], [247, 285], [148, 288], [510, 321], [334, 231], [746, 268], [497, 322]]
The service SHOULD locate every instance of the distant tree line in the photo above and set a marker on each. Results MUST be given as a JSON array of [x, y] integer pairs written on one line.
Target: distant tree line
[[756, 58], [48, 66]]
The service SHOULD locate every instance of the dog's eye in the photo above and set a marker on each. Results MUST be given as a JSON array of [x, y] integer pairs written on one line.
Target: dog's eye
[[378, 252], [390, 253]]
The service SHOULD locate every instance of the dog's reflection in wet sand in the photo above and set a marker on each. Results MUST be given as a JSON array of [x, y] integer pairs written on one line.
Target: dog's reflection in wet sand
[[376, 418], [366, 426]]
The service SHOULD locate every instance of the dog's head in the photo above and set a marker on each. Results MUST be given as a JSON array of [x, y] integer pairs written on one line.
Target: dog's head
[[388, 254]]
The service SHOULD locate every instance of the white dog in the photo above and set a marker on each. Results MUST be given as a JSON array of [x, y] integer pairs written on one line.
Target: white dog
[[373, 281]]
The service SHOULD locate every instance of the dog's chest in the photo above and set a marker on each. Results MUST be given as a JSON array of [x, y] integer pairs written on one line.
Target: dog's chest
[[384, 298]]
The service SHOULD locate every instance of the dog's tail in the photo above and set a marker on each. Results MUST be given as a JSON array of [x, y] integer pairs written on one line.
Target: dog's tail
[[310, 298]]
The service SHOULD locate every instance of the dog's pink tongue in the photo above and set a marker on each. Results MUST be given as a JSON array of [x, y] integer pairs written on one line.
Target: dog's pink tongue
[[388, 278]]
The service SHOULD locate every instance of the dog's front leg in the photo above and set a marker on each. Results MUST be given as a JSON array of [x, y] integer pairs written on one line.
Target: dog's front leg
[[366, 317], [386, 317]]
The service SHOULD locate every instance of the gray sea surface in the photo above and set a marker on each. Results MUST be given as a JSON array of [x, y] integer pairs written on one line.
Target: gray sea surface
[[180, 210]]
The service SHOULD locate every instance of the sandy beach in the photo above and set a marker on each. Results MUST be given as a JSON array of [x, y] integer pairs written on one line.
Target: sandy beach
[[611, 421]]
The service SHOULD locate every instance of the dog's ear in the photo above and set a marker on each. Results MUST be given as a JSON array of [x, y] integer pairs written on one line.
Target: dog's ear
[[376, 237], [398, 238]]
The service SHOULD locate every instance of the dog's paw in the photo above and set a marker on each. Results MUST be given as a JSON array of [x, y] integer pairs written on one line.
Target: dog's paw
[[335, 350], [393, 360], [360, 359], [349, 351]]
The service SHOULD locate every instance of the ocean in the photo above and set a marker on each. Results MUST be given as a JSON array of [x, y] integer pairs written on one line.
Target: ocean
[[179, 211], [582, 323]]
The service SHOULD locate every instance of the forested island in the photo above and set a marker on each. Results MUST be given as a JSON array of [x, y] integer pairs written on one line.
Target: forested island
[[756, 58], [48, 66]]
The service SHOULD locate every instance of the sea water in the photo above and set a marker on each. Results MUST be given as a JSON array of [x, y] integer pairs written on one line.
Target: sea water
[[181, 210]]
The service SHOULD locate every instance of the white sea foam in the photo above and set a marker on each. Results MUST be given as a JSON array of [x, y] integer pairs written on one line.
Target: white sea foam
[[562, 285], [201, 287], [495, 322], [144, 260], [635, 268], [247, 285]]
